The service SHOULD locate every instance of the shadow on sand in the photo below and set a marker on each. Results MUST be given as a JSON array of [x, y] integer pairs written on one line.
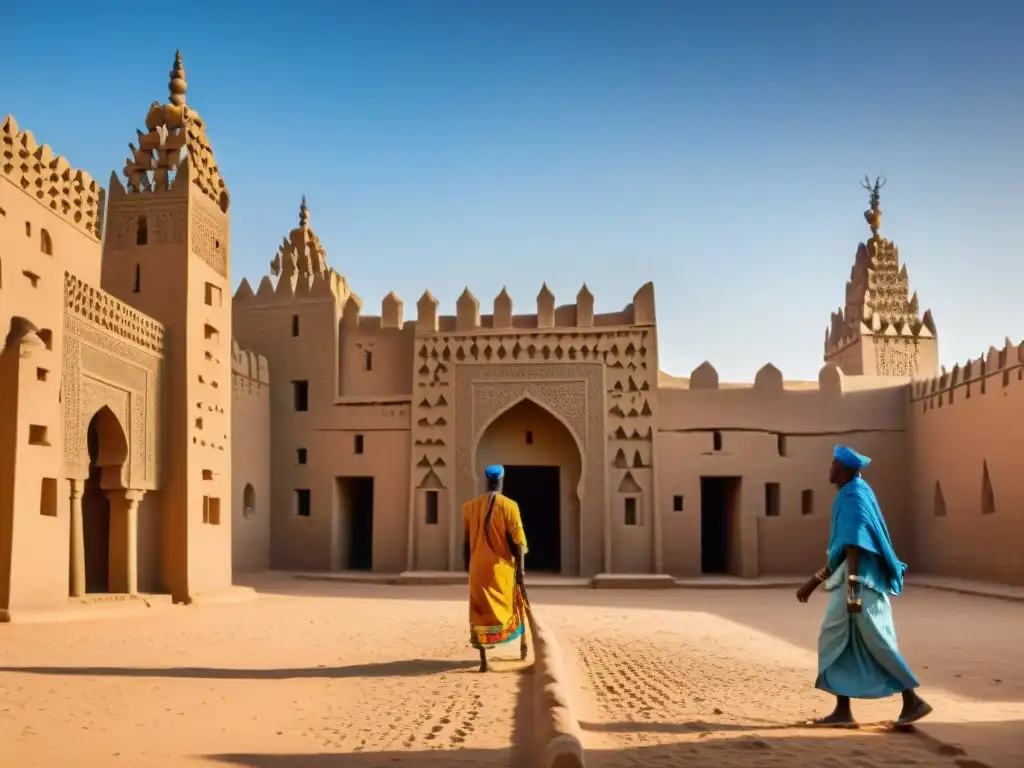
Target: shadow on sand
[[718, 752], [922, 620], [401, 668]]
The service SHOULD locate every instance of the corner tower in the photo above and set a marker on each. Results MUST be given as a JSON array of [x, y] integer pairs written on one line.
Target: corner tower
[[167, 254], [879, 331]]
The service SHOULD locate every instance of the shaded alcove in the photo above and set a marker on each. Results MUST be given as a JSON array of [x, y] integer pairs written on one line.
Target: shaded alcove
[[108, 451], [543, 464]]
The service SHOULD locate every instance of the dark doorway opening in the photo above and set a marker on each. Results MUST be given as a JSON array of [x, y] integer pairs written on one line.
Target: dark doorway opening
[[537, 491], [719, 518], [95, 520], [355, 497]]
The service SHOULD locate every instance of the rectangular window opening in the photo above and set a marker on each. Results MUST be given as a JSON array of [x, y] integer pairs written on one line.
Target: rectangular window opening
[[302, 502], [431, 504], [300, 456], [772, 500], [295, 326], [529, 437], [214, 296], [207, 474], [48, 497], [368, 360], [300, 395], [358, 444], [631, 510], [677, 503], [38, 435], [716, 441], [211, 510], [807, 502]]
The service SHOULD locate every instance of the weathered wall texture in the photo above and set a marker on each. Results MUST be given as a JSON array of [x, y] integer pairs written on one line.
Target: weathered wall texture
[[767, 433], [967, 487], [250, 462]]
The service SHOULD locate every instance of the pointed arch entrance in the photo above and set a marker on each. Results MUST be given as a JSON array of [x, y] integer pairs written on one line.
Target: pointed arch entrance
[[543, 463], [107, 446]]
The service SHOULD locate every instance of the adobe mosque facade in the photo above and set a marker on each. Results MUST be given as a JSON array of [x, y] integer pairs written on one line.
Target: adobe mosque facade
[[160, 436]]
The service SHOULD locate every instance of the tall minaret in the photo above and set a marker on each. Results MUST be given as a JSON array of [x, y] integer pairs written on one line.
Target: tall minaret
[[879, 331], [167, 253]]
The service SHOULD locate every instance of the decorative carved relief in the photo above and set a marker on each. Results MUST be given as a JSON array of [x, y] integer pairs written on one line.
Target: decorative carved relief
[[166, 226], [895, 358], [209, 241], [102, 369], [100, 308], [572, 391], [50, 179]]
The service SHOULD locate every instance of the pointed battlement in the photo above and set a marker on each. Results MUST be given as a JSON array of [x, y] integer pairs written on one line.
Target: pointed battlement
[[468, 319], [33, 168], [175, 150], [995, 370], [880, 330]]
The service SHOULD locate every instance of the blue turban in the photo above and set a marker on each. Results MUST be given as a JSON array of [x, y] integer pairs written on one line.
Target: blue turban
[[850, 459], [494, 472]]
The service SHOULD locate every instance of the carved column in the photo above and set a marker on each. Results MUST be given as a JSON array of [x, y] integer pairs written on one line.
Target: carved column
[[124, 540], [76, 587]]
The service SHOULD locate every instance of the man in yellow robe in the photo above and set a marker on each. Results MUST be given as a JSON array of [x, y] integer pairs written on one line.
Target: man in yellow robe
[[493, 549]]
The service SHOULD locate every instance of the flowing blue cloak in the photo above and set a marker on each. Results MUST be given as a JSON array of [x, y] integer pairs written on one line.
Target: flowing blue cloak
[[857, 522]]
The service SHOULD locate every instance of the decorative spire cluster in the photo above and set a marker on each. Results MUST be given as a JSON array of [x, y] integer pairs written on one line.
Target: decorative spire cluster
[[878, 296], [176, 139], [301, 254]]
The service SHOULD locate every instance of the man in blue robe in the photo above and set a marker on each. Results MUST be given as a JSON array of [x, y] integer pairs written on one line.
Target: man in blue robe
[[858, 656]]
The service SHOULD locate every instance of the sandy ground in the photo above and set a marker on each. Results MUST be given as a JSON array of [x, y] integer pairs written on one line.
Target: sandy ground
[[321, 674], [317, 680], [721, 679]]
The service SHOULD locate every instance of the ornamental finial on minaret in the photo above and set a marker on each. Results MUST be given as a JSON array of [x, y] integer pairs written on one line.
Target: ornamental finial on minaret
[[178, 86], [873, 215], [303, 213]]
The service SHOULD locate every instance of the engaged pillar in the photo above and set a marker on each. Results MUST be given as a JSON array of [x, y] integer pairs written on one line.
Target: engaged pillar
[[124, 541], [76, 586]]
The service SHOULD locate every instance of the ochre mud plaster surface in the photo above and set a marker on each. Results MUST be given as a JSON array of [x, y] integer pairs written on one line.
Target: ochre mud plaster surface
[[323, 674]]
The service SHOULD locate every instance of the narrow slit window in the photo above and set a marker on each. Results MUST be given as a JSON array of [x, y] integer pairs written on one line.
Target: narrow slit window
[[716, 441], [142, 231], [138, 278], [772, 500], [431, 507]]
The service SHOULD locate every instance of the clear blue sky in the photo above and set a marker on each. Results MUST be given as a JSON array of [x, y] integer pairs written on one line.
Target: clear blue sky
[[715, 148]]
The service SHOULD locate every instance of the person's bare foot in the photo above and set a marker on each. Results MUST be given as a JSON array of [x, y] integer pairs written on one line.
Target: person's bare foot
[[914, 708]]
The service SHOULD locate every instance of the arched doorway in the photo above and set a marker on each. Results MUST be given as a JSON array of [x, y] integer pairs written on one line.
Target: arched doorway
[[542, 473], [108, 451]]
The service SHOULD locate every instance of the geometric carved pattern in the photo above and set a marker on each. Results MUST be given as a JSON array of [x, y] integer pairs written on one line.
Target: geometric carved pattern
[[571, 391], [73, 195], [165, 226], [101, 368], [594, 379], [209, 241], [100, 308]]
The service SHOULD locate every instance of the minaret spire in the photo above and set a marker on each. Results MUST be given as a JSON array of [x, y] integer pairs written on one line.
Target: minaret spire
[[178, 86], [303, 213]]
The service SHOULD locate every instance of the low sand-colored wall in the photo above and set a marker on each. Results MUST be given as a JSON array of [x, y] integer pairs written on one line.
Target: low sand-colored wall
[[556, 741]]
